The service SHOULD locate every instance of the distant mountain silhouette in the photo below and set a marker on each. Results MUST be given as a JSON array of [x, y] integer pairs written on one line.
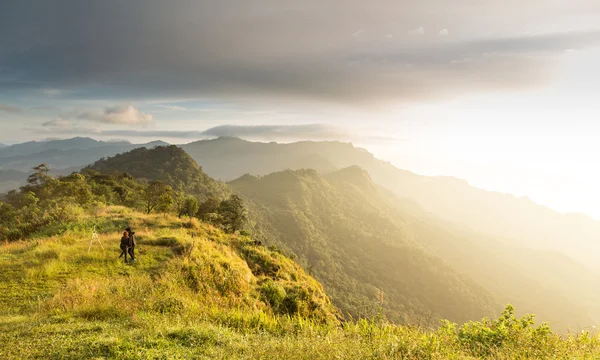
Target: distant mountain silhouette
[[60, 154]]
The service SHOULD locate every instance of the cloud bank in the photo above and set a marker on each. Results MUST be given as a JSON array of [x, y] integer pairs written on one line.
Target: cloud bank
[[253, 132], [359, 53], [115, 115]]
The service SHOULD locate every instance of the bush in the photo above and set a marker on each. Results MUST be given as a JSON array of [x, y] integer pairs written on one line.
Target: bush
[[486, 337]]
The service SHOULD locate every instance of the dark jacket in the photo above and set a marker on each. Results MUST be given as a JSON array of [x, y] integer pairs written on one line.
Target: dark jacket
[[125, 241], [132, 242]]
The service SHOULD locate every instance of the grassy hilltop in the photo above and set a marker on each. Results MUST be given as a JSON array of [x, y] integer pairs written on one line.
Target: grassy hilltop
[[214, 295]]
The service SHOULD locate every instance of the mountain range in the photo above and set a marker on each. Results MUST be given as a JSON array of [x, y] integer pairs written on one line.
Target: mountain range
[[518, 221], [62, 156], [363, 226]]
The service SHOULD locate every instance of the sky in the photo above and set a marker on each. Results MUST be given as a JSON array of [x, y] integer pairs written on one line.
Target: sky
[[503, 94]]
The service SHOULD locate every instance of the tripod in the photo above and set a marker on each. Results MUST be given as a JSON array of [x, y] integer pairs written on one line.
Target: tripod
[[95, 237]]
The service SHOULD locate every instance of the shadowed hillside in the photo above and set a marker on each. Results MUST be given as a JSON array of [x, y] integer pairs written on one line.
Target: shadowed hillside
[[358, 225], [350, 242]]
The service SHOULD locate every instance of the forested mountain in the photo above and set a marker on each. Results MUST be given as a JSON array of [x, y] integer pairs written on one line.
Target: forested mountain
[[355, 235], [168, 164], [228, 158], [196, 291], [347, 238], [338, 221], [514, 220], [61, 154]]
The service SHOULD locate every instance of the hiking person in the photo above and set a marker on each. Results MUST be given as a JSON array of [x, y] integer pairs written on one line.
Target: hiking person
[[131, 243], [124, 245]]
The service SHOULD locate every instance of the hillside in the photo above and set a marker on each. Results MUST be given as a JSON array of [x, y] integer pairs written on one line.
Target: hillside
[[393, 242], [348, 241], [515, 221], [168, 164], [229, 158], [196, 274], [198, 292]]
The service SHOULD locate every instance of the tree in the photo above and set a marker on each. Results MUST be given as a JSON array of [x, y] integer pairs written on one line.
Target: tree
[[190, 206], [164, 203], [154, 194], [233, 214], [178, 202], [40, 176], [208, 206]]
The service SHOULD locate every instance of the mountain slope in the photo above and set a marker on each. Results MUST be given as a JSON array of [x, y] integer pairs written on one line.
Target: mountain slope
[[229, 158], [169, 164], [293, 205], [517, 221], [195, 292], [350, 243]]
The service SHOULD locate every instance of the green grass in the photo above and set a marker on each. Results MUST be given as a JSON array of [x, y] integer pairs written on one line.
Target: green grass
[[212, 295]]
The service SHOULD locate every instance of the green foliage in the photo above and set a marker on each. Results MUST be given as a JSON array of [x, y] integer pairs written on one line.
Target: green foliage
[[190, 207], [338, 227], [167, 164], [215, 295], [207, 207], [490, 336], [233, 214], [157, 194]]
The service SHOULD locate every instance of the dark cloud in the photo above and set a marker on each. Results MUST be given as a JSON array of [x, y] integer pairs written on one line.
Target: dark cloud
[[355, 51], [10, 109]]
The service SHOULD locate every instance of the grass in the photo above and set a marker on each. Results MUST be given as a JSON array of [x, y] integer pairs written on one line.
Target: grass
[[196, 292]]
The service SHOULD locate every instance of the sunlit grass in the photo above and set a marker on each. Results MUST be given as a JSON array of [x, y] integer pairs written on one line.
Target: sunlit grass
[[196, 292]]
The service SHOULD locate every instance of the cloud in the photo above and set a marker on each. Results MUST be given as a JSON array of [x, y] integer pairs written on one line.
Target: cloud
[[358, 32], [120, 114], [45, 108], [310, 131], [50, 92], [10, 109], [253, 132], [127, 115], [58, 123], [418, 31], [266, 50], [443, 32], [172, 107]]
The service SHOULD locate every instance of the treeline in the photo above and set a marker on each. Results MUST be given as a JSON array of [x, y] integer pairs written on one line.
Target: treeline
[[47, 200]]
